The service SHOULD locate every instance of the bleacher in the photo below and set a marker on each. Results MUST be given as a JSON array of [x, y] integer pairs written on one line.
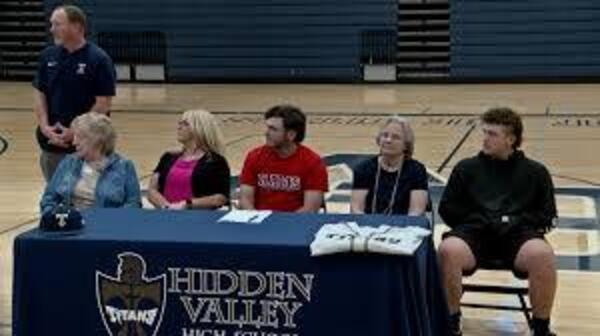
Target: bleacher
[[521, 39], [332, 40], [257, 40]]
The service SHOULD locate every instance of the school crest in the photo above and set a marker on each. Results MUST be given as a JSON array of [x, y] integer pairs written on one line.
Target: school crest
[[131, 303]]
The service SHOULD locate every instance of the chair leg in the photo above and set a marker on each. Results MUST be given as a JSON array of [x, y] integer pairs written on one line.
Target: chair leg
[[525, 309], [519, 292]]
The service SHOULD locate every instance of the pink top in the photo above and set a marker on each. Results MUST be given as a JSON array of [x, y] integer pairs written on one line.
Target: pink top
[[178, 186]]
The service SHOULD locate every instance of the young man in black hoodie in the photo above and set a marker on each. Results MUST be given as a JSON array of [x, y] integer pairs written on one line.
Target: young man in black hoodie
[[499, 205]]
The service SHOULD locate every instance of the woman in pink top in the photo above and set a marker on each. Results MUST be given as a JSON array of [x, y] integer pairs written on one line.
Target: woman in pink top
[[198, 175]]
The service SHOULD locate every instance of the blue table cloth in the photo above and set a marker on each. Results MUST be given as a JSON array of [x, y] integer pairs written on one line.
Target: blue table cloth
[[141, 272]]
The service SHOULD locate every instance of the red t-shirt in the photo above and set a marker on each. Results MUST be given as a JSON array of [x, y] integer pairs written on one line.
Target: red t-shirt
[[279, 183]]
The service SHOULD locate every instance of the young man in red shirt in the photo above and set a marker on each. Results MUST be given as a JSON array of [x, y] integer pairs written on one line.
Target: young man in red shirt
[[283, 174]]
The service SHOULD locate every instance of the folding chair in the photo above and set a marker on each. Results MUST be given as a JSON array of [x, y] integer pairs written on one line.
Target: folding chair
[[494, 265], [519, 291], [430, 213], [323, 208]]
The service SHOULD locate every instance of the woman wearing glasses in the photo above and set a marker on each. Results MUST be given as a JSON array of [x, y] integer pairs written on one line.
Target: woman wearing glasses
[[391, 182]]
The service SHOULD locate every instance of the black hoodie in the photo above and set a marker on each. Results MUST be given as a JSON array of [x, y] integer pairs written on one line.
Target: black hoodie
[[499, 194]]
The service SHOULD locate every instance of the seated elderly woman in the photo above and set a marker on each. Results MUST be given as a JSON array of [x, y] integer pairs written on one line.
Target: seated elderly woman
[[391, 182], [93, 176], [197, 176]]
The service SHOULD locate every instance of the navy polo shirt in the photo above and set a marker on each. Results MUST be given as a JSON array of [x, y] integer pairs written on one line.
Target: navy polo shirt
[[71, 82]]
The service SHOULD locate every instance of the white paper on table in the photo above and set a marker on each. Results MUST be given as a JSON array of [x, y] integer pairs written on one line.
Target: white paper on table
[[245, 216]]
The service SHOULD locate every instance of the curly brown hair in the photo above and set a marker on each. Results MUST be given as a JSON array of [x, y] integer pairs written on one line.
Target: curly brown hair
[[506, 116]]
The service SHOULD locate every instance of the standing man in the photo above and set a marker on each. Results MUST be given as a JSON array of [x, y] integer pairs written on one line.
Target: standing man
[[499, 205], [283, 174], [74, 76]]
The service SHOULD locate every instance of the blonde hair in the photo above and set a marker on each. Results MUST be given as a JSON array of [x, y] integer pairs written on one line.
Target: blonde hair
[[98, 128], [206, 129], [407, 132]]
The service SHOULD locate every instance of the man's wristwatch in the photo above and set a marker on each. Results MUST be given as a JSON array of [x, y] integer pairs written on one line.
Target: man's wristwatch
[[188, 203]]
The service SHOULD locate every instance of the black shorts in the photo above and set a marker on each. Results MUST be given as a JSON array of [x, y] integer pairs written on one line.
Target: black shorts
[[487, 246]]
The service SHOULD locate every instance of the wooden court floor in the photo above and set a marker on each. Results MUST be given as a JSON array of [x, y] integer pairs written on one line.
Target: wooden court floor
[[562, 124]]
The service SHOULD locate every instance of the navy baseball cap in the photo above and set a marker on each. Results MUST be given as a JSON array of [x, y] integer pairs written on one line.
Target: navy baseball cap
[[61, 218]]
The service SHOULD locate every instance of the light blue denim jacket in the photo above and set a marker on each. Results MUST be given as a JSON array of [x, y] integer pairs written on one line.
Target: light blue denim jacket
[[117, 185]]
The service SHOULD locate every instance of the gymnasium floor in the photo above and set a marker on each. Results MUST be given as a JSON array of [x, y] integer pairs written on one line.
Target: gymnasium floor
[[562, 126]]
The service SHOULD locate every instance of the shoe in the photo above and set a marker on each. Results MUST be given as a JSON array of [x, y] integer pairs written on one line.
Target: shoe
[[542, 333], [541, 327]]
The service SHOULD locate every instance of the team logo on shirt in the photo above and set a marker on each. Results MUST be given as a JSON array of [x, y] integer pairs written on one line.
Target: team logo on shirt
[[81, 68], [131, 303], [279, 182], [52, 64]]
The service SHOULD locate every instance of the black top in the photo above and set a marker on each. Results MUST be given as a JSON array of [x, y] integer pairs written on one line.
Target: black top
[[71, 82], [210, 176], [499, 194], [413, 176]]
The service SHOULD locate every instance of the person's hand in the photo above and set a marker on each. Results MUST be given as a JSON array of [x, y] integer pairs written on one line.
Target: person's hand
[[177, 206], [48, 131], [66, 134], [53, 133]]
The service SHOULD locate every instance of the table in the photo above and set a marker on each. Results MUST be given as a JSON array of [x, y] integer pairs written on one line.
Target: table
[[148, 272]]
